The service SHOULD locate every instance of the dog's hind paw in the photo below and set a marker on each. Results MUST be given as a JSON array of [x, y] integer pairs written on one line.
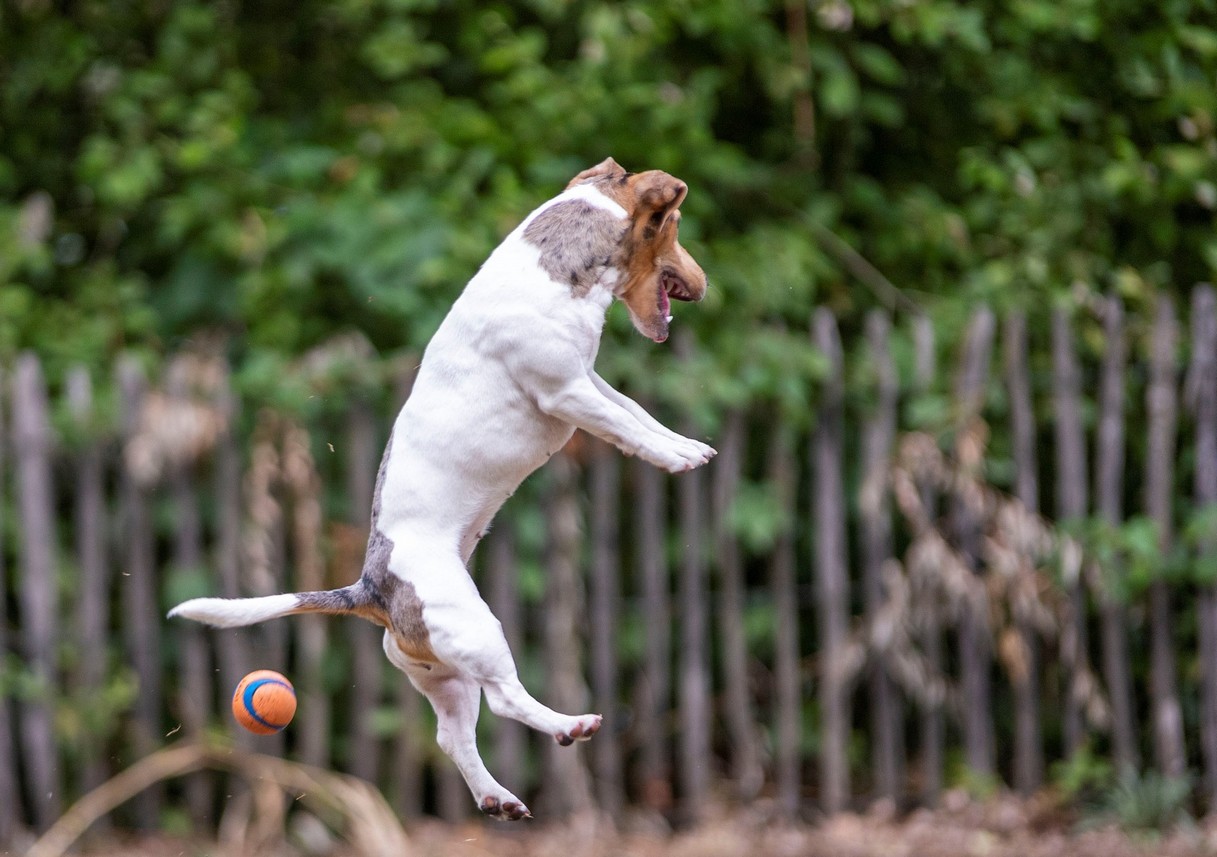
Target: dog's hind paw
[[503, 810], [583, 728]]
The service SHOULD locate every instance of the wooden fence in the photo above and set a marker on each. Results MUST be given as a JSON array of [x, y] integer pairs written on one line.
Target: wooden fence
[[820, 617]]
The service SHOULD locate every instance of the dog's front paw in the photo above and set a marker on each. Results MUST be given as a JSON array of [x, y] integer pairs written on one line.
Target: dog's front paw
[[506, 807], [680, 454]]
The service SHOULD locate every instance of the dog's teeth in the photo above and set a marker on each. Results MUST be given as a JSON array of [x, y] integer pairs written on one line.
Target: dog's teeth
[[669, 319]]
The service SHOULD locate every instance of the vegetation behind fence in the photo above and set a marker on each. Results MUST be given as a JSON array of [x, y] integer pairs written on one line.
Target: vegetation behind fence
[[980, 563]]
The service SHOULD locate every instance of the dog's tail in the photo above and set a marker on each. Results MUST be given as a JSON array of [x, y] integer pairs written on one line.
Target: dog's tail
[[239, 612]]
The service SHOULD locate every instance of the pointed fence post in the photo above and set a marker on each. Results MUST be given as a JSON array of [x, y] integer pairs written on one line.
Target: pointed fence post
[[37, 567], [92, 556], [1109, 508], [604, 612], [1202, 390], [974, 640], [1071, 482], [367, 667], [10, 798], [566, 785], [194, 654], [140, 602], [738, 714], [787, 656], [1028, 733], [931, 720], [655, 682], [1161, 400], [510, 737], [875, 520], [832, 576]]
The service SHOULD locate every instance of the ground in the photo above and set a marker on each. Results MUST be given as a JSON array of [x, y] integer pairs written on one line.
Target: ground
[[1003, 827]]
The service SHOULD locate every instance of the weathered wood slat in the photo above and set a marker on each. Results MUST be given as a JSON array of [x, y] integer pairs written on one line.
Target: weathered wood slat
[[875, 525], [499, 551], [1109, 507], [566, 787], [138, 594], [975, 648], [194, 668], [695, 761], [738, 714], [831, 567], [37, 596], [1202, 398], [10, 799], [604, 616], [367, 655], [1028, 731], [1071, 483], [931, 724], [92, 557], [655, 681], [783, 583], [1161, 401]]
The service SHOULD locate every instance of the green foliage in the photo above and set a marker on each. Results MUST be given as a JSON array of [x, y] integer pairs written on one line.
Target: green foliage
[[179, 166], [1082, 776], [1151, 802]]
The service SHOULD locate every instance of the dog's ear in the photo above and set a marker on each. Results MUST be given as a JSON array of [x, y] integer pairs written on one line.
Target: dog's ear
[[658, 196], [607, 167]]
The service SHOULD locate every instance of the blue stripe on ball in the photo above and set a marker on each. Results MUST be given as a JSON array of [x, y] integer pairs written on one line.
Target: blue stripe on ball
[[247, 699]]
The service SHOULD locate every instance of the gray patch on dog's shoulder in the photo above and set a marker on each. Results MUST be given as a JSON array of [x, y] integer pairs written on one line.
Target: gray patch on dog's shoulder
[[577, 241]]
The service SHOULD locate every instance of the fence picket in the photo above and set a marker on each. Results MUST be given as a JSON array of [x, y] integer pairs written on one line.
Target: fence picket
[[655, 682], [93, 604], [1028, 734], [1161, 401], [1109, 507], [875, 524], [931, 723], [1071, 483], [37, 572], [975, 648], [832, 574], [738, 714], [1202, 390], [137, 584], [10, 793]]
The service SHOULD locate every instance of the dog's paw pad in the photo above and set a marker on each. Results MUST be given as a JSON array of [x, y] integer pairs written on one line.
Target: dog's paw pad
[[507, 810], [583, 729]]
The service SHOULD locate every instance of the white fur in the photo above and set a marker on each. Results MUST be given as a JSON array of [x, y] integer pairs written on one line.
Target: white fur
[[503, 385], [235, 612]]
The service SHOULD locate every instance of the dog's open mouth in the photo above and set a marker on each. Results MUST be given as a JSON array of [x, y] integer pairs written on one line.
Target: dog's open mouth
[[671, 287]]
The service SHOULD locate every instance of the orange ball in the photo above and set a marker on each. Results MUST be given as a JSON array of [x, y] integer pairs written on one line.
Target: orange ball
[[264, 703]]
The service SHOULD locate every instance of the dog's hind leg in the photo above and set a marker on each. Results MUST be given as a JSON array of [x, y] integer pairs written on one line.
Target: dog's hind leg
[[456, 700], [465, 635]]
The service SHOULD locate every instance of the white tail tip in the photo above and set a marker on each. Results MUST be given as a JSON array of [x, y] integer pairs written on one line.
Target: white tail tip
[[235, 612]]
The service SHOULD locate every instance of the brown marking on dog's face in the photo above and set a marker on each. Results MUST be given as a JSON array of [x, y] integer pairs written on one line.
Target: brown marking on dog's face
[[655, 268]]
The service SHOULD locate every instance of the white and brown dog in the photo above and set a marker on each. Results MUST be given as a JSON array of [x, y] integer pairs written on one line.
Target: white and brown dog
[[504, 383]]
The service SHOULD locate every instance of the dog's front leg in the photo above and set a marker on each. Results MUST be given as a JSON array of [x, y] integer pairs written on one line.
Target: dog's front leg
[[580, 402], [640, 413]]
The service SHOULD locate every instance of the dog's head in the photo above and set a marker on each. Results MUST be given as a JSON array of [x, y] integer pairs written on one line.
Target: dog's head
[[654, 268]]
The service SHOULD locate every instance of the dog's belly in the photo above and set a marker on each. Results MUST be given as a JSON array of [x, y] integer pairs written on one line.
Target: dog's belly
[[458, 453]]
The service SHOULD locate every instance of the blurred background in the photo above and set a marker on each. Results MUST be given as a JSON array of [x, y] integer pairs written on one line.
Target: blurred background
[[958, 355]]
